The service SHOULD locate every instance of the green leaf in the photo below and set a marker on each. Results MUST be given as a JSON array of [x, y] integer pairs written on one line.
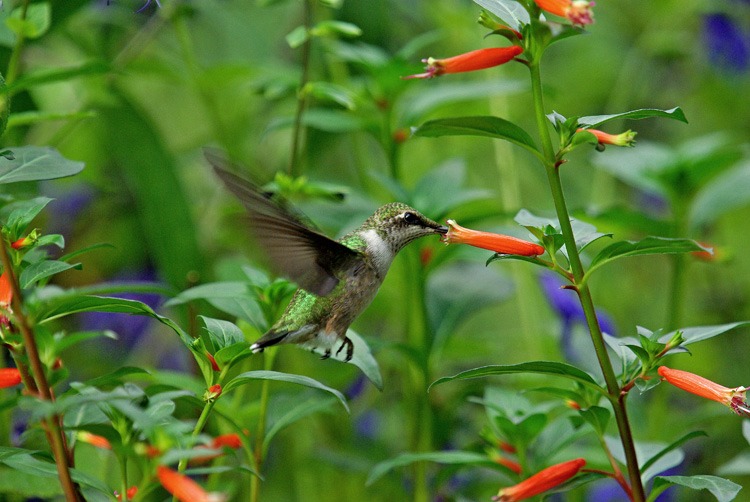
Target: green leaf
[[222, 333], [511, 12], [695, 334], [487, 126], [730, 190], [297, 36], [326, 91], [36, 163], [36, 22], [22, 213], [68, 340], [323, 119], [25, 461], [331, 27], [43, 269], [723, 489], [598, 417], [48, 76], [440, 190], [251, 376], [543, 367], [441, 457], [362, 358], [67, 304], [646, 246], [597, 120], [234, 298], [675, 444]]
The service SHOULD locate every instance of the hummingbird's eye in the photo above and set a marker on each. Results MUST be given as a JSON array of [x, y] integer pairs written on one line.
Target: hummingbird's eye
[[411, 218]]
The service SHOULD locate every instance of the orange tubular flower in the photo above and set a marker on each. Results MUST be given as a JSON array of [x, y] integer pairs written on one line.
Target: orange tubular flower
[[470, 61], [540, 482], [6, 292], [734, 398], [184, 488], [498, 243], [626, 138], [510, 464], [94, 440], [576, 11], [129, 495], [214, 365], [9, 377]]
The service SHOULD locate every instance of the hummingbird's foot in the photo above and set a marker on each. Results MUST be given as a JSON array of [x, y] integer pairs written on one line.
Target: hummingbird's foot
[[326, 355], [349, 349]]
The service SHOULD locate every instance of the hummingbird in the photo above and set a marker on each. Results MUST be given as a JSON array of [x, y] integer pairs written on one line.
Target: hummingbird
[[337, 279]]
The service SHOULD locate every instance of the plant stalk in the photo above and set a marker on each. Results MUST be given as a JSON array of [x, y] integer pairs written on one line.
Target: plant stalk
[[37, 384], [584, 294], [301, 98]]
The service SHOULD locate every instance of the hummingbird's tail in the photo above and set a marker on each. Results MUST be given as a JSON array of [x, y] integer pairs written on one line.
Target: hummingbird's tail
[[270, 338]]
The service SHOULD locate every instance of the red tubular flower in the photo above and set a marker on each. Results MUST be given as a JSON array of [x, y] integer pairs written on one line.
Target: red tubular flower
[[576, 11], [706, 255], [130, 494], [626, 138], [214, 365], [470, 61], [184, 488], [540, 482], [510, 464], [498, 243], [227, 440], [733, 398], [6, 292], [94, 440], [9, 377]]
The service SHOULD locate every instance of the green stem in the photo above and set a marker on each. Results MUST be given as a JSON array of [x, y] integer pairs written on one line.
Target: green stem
[[584, 294], [260, 435], [301, 98], [37, 384], [15, 57]]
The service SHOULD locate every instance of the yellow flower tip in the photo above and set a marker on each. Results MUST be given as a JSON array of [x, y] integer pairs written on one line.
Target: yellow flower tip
[[540, 482], [503, 244], [626, 138]]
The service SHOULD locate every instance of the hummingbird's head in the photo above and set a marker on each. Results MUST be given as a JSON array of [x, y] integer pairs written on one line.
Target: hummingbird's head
[[399, 224]]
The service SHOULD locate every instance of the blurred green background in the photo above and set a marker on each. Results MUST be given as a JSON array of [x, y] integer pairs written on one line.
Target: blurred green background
[[163, 82]]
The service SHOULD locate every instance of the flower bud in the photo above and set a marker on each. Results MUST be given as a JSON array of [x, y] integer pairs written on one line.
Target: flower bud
[[9, 377], [734, 398], [626, 138], [540, 482]]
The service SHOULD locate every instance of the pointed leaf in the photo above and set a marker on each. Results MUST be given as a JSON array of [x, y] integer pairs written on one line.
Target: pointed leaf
[[34, 23], [22, 213], [36, 163], [43, 269], [235, 298], [542, 367], [699, 333], [251, 376], [598, 417], [597, 120], [675, 444], [487, 126], [362, 358], [326, 91], [222, 333], [730, 190], [723, 489], [647, 246], [510, 11], [441, 457]]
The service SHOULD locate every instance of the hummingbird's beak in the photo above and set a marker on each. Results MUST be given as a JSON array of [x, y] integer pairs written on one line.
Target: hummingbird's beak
[[442, 229]]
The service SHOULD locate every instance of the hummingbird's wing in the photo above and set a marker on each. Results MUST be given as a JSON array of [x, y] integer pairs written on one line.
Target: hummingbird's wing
[[309, 258]]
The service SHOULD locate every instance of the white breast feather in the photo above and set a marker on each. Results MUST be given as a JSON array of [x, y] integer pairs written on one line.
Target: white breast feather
[[381, 252]]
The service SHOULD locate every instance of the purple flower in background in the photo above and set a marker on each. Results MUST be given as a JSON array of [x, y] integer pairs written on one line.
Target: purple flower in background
[[728, 46], [129, 328], [66, 208], [565, 303]]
